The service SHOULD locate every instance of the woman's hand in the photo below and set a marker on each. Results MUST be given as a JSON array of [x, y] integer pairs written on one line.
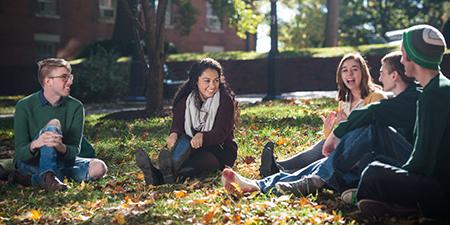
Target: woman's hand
[[197, 140], [340, 116], [171, 140], [330, 144], [328, 123]]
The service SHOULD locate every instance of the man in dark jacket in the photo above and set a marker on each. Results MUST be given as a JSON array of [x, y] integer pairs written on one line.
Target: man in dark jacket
[[423, 182]]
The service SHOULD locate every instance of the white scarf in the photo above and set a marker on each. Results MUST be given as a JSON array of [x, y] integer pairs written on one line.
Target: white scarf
[[203, 119]]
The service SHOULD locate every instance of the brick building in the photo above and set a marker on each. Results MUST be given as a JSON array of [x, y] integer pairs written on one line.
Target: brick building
[[36, 29]]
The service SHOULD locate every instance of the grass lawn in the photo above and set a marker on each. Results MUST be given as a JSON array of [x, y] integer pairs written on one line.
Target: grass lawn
[[122, 197]]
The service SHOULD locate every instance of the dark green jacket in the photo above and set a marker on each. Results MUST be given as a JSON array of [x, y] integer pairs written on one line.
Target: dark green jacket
[[398, 112], [32, 114], [431, 153]]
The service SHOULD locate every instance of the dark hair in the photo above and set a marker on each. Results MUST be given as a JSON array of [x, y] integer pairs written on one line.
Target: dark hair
[[194, 73], [367, 86], [392, 60]]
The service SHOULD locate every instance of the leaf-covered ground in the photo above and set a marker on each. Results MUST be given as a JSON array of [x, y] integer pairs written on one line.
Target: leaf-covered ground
[[122, 197]]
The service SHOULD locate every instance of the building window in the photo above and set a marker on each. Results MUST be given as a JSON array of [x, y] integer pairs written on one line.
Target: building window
[[107, 10], [47, 8], [212, 21], [168, 21], [212, 48], [46, 45]]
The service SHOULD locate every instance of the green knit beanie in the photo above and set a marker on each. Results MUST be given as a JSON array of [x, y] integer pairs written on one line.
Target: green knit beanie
[[424, 45]]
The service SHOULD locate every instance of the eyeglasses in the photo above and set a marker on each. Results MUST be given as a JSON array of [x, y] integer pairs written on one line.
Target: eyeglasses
[[64, 77]]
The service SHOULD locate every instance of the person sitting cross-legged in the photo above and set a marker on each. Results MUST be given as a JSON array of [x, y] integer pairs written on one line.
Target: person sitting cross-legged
[[201, 138], [48, 127]]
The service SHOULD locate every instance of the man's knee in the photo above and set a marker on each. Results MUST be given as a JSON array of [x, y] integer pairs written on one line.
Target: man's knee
[[53, 125], [97, 169], [54, 122]]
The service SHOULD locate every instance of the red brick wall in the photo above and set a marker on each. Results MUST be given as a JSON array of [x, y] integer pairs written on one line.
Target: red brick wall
[[292, 74], [244, 76], [77, 25], [199, 36]]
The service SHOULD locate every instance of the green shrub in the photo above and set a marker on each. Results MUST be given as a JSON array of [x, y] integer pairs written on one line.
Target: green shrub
[[101, 77]]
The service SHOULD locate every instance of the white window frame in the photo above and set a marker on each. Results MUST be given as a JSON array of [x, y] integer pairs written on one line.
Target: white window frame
[[43, 41], [45, 9], [213, 48], [104, 7], [213, 23], [168, 20]]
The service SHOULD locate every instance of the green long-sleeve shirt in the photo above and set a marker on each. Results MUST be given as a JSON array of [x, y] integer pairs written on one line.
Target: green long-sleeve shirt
[[431, 153], [33, 113], [398, 112]]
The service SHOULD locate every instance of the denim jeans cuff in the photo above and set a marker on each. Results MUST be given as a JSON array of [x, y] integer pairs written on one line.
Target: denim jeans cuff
[[52, 128]]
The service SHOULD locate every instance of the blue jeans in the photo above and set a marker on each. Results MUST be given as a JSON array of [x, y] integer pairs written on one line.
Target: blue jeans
[[343, 167], [51, 161]]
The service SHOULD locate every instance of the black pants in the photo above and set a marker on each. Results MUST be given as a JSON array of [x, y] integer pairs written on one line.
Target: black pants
[[391, 184], [205, 160]]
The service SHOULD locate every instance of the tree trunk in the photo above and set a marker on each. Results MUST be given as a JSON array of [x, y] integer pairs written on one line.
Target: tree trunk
[[155, 45], [332, 24]]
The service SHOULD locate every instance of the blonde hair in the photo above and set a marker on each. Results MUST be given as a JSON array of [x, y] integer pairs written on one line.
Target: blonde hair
[[46, 66]]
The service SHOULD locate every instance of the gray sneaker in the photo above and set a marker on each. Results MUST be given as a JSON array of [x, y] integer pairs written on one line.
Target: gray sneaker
[[349, 196], [306, 185]]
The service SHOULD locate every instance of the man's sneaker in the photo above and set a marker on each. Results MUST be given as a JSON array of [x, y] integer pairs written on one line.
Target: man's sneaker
[[376, 208], [166, 168], [349, 196], [18, 178], [305, 186], [51, 183], [150, 172], [268, 164]]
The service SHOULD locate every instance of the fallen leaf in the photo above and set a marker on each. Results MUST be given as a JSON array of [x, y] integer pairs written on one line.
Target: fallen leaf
[[82, 186], [180, 194], [199, 201], [35, 215], [30, 215], [119, 218], [283, 198], [140, 176], [249, 160], [208, 216]]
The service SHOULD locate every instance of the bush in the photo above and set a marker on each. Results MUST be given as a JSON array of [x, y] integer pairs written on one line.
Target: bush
[[100, 77]]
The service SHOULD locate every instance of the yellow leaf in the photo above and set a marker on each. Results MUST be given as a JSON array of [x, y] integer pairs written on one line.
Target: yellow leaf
[[119, 218], [304, 201], [82, 186], [237, 218], [199, 201], [250, 221], [140, 176], [35, 215], [180, 194]]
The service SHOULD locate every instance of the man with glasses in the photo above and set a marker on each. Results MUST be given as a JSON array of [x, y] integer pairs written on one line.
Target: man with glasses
[[48, 127]]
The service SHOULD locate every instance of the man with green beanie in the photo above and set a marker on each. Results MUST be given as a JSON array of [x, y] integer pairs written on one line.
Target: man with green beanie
[[422, 184]]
